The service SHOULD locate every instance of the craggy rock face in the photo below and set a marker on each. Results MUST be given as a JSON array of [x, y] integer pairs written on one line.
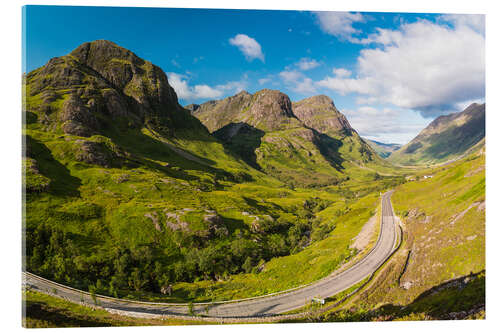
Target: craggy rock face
[[270, 108], [320, 113], [138, 78], [102, 78], [77, 118], [217, 114]]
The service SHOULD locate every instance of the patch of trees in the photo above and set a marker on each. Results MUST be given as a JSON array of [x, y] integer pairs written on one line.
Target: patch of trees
[[116, 269]]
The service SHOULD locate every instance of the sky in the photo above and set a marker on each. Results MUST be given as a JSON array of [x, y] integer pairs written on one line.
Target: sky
[[391, 74]]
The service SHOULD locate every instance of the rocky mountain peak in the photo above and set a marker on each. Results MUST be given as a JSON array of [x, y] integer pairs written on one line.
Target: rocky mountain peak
[[269, 102], [103, 78], [320, 113]]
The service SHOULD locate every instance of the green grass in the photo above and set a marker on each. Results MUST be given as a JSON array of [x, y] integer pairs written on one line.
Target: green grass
[[107, 218], [443, 241], [44, 311]]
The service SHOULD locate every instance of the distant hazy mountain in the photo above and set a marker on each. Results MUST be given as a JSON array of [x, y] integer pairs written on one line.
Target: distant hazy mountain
[[446, 138], [383, 149]]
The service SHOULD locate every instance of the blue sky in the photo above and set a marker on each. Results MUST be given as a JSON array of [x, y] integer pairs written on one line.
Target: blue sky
[[389, 73]]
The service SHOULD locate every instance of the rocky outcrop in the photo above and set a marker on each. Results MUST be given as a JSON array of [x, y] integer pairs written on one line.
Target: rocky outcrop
[[95, 153], [319, 112], [77, 118], [267, 110], [101, 80]]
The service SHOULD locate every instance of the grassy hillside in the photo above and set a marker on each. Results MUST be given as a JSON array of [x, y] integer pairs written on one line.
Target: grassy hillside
[[127, 193], [439, 272], [306, 143], [44, 311], [446, 138]]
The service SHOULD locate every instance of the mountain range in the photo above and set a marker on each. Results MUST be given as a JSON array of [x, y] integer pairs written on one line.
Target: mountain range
[[383, 149], [445, 138], [305, 141], [128, 192]]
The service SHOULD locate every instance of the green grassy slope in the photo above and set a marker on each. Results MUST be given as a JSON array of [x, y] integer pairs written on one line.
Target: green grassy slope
[[303, 143], [128, 194], [446, 138], [439, 271], [44, 311]]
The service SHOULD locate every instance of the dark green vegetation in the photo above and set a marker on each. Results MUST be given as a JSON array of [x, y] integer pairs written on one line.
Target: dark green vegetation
[[127, 193], [446, 138], [383, 149]]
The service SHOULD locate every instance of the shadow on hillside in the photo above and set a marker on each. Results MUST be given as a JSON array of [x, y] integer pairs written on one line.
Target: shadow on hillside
[[454, 299], [62, 183], [39, 315], [157, 155], [457, 140], [241, 140], [329, 148]]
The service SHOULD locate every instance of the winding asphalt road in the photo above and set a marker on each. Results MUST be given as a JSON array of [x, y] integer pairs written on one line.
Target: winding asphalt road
[[248, 308]]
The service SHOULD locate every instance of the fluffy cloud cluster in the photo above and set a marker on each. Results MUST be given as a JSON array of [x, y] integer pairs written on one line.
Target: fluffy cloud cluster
[[424, 66], [201, 91], [248, 46], [296, 80], [339, 24], [307, 64]]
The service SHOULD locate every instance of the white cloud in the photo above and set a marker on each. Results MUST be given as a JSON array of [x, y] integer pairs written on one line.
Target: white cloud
[[298, 82], [306, 86], [232, 86], [202, 91], [175, 63], [290, 76], [339, 24], [198, 59], [473, 21], [344, 85], [264, 80], [248, 46], [307, 64], [424, 66], [341, 72]]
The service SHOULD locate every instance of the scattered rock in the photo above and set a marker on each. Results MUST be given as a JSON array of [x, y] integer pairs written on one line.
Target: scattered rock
[[94, 153], [427, 219], [122, 178], [459, 216], [406, 285], [154, 217], [475, 171]]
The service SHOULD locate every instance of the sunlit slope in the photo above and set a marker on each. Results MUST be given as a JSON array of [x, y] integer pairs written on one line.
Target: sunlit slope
[[128, 193], [446, 138], [304, 143]]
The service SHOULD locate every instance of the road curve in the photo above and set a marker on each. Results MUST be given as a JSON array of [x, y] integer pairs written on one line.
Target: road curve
[[249, 308]]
